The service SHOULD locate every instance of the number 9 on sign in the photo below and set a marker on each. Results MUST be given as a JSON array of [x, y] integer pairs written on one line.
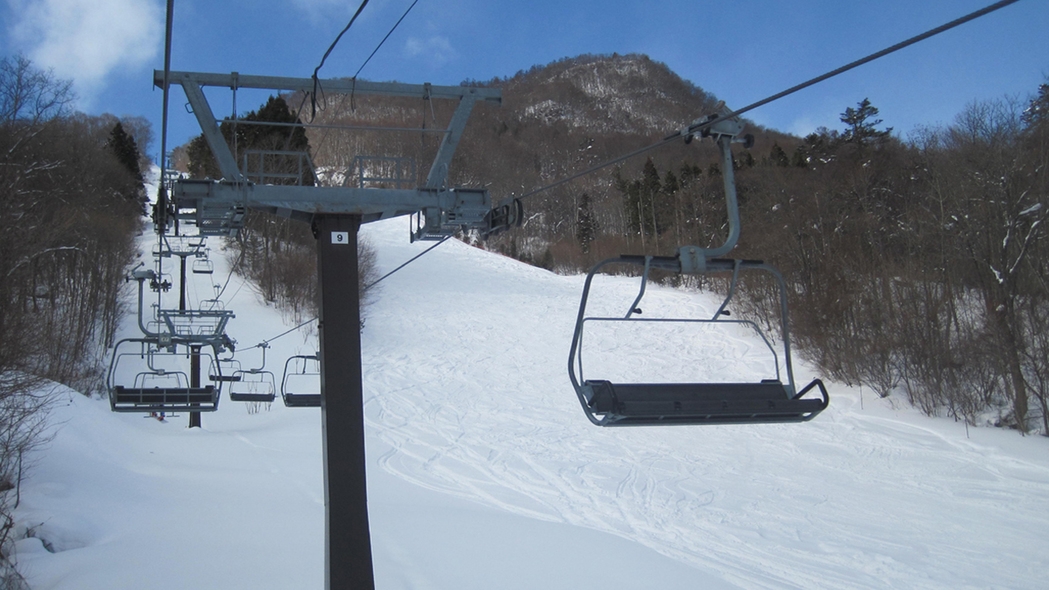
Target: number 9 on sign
[[340, 237]]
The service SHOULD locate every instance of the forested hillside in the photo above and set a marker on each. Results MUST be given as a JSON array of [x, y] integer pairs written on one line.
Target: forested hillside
[[71, 204]]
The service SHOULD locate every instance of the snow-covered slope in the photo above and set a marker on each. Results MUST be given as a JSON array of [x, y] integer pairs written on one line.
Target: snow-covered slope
[[484, 473]]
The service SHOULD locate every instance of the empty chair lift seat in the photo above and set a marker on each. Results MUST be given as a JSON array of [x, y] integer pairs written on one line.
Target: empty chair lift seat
[[163, 399], [633, 404], [253, 396], [300, 386], [253, 385], [302, 400]]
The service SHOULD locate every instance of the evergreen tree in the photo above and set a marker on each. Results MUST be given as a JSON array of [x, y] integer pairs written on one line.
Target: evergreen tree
[[670, 183], [123, 146], [862, 124], [586, 224], [1037, 112], [242, 138], [689, 173], [816, 149], [125, 149], [778, 157], [652, 205]]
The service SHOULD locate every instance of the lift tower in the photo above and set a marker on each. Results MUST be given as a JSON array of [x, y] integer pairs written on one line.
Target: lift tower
[[336, 213]]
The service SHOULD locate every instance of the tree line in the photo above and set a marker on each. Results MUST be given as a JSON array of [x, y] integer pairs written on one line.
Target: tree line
[[71, 202]]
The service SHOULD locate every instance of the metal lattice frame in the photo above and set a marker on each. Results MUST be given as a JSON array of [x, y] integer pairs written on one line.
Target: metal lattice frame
[[218, 205]]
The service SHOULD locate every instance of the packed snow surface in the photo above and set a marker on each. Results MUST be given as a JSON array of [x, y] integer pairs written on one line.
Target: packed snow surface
[[484, 473]]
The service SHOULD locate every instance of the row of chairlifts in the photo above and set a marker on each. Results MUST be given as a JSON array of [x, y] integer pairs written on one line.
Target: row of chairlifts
[[162, 383], [189, 247], [202, 264], [245, 385], [773, 398], [139, 381], [160, 370], [300, 384]]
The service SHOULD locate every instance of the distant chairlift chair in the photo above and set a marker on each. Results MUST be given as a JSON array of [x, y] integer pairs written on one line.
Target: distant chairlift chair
[[608, 403], [202, 265], [254, 385], [161, 383], [223, 370], [301, 385]]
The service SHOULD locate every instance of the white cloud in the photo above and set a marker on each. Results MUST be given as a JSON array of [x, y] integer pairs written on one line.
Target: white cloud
[[318, 11], [339, 12], [86, 40], [810, 122], [437, 50], [802, 126]]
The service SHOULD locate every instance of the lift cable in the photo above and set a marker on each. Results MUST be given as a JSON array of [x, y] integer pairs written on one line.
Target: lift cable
[[316, 80], [700, 126], [160, 208], [409, 261], [265, 343], [860, 62], [385, 38]]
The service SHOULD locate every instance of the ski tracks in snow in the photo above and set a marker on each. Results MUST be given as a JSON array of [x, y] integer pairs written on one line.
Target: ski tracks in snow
[[465, 379]]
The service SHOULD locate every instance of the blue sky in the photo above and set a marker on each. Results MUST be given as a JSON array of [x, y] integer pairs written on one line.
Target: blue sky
[[739, 50]]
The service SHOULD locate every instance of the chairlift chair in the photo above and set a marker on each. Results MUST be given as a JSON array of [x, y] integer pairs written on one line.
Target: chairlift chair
[[300, 387], [202, 265], [160, 382], [224, 370], [623, 402], [254, 384], [212, 305]]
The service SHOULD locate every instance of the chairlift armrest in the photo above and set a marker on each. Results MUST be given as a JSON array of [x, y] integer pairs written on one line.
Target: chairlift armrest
[[815, 383]]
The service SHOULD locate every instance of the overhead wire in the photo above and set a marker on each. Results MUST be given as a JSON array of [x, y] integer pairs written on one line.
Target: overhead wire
[[313, 96], [879, 54], [366, 287], [317, 86], [316, 79], [316, 89], [394, 28]]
